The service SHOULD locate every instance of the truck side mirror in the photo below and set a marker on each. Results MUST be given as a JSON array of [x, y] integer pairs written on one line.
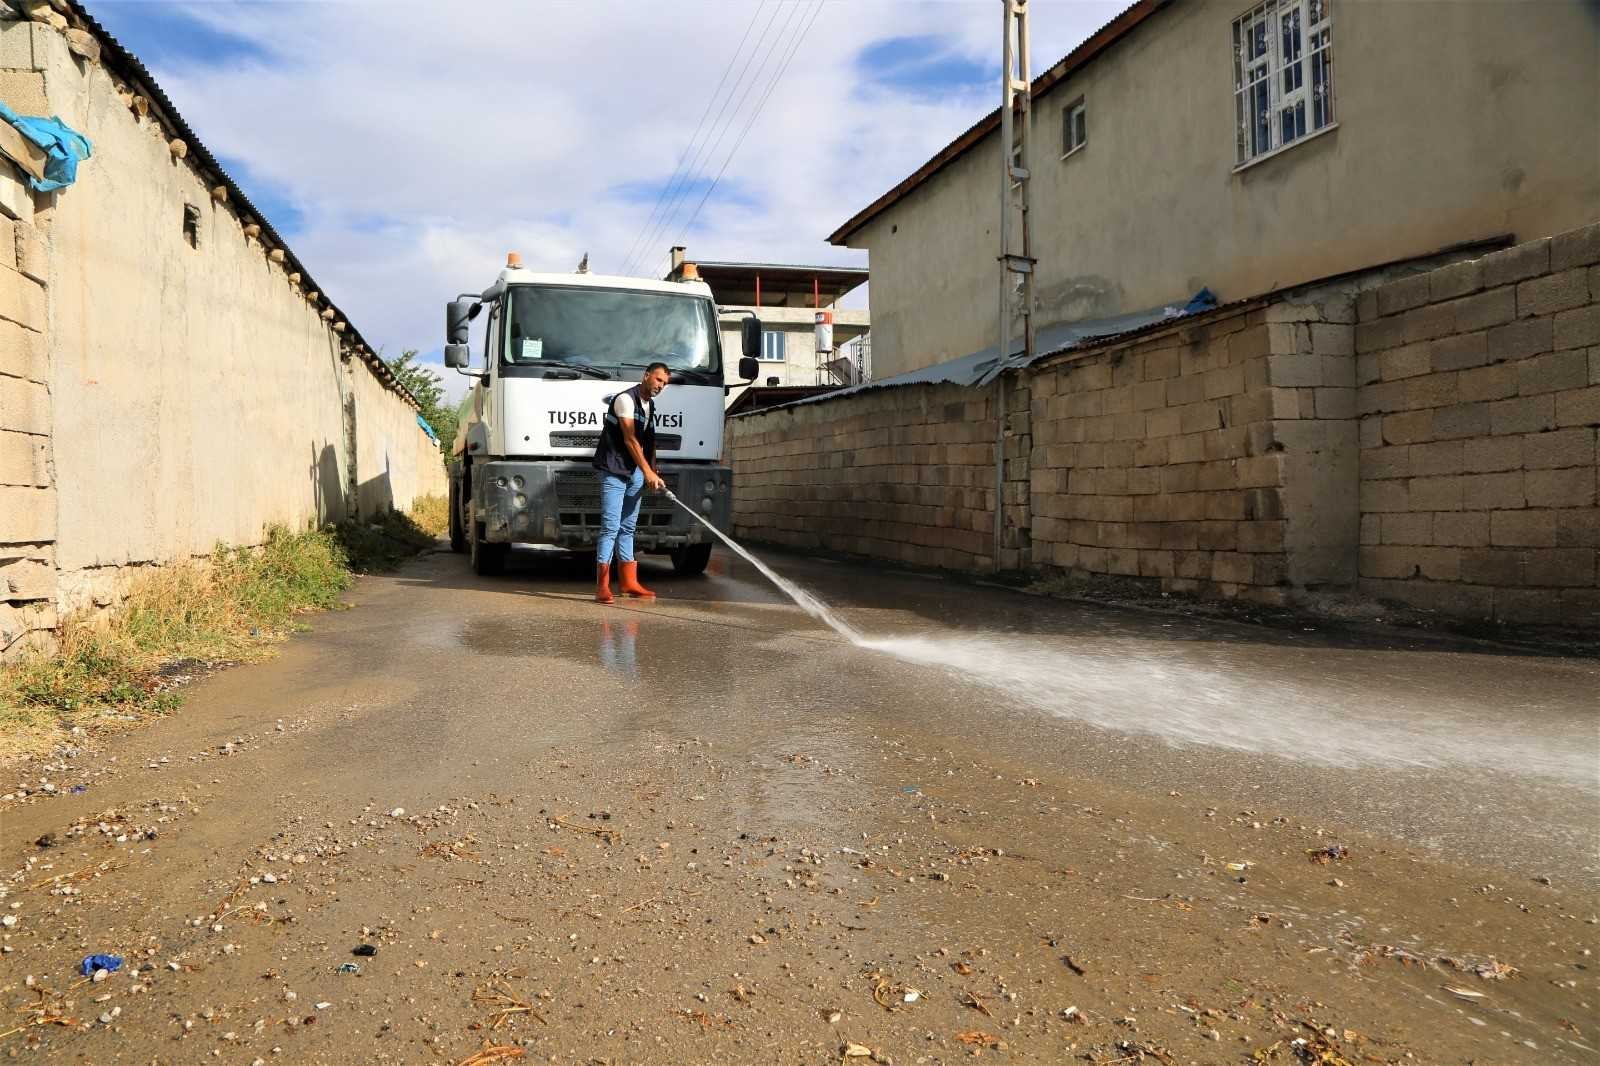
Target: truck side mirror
[[457, 356], [457, 319], [749, 369], [751, 340]]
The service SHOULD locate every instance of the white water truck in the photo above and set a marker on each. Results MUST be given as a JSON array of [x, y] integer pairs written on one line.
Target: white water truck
[[557, 347]]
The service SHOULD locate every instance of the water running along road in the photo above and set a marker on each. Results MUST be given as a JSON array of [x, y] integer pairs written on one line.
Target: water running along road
[[698, 829]]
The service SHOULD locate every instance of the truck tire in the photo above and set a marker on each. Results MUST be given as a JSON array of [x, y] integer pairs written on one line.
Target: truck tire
[[691, 559], [458, 532], [487, 559]]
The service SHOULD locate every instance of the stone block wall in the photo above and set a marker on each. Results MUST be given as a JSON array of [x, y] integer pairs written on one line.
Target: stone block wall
[[1479, 402], [904, 474], [1428, 438], [27, 495], [1202, 456], [1214, 456]]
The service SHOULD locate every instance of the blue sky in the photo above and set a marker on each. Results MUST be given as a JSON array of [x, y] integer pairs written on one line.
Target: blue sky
[[926, 63], [402, 150], [162, 33]]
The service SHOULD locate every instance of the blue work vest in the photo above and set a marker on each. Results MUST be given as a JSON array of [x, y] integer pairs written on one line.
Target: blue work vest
[[610, 454]]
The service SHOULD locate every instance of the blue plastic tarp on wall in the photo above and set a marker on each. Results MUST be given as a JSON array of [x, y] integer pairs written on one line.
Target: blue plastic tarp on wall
[[64, 148]]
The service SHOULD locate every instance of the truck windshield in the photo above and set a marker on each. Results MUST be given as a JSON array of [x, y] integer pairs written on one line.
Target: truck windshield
[[611, 329]]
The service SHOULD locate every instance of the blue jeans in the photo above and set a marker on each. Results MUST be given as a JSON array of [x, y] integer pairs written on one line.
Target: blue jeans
[[619, 515]]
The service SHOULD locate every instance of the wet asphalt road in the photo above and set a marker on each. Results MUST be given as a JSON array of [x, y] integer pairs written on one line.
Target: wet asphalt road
[[1476, 751], [1123, 755]]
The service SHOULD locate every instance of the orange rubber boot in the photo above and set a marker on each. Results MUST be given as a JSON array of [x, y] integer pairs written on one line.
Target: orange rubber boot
[[630, 582], [602, 590]]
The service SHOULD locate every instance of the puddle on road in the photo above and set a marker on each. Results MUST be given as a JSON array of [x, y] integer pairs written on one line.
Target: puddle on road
[[1320, 706]]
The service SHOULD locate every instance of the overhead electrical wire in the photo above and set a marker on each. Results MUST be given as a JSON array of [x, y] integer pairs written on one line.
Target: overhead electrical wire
[[760, 106], [678, 186], [684, 158], [703, 155]]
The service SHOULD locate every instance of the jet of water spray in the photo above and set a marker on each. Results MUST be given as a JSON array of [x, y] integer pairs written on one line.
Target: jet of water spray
[[807, 602]]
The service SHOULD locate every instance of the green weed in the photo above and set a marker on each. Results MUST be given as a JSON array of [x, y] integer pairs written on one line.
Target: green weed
[[230, 607]]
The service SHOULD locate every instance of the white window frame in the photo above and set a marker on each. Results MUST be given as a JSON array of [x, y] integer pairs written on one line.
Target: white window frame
[[1282, 77], [1077, 107], [782, 345]]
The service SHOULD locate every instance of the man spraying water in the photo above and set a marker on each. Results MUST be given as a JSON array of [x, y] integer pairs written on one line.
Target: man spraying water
[[625, 457]]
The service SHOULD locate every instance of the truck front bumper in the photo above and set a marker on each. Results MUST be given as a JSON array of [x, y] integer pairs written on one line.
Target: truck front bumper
[[557, 502]]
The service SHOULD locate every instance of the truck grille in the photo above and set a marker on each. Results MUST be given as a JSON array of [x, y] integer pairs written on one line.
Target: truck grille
[[578, 499], [666, 442]]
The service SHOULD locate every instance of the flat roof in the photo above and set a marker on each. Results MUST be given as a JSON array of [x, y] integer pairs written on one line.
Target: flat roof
[[760, 397], [781, 284], [1072, 62]]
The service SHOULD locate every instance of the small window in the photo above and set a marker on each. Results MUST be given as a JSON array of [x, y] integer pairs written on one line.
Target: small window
[[772, 346], [1282, 75], [191, 225], [1074, 127]]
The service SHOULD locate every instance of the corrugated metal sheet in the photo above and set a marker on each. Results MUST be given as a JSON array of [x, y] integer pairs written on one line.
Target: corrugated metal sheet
[[981, 367]]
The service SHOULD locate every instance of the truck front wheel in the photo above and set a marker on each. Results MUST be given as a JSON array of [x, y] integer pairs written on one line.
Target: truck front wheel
[[691, 559], [458, 532], [487, 559]]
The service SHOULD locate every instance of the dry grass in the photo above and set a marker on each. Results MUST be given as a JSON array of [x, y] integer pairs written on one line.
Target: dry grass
[[432, 515], [384, 542], [230, 607]]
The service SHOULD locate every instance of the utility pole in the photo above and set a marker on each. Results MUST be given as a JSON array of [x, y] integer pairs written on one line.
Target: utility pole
[[1016, 245]]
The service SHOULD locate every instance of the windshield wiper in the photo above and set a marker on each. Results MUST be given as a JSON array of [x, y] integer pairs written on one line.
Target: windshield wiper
[[579, 367]]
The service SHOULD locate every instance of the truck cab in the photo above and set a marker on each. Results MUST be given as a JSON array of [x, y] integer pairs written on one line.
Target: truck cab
[[556, 349]]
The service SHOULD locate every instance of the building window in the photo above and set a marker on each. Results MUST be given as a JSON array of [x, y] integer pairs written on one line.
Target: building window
[[191, 225], [772, 346], [1282, 74], [1074, 127]]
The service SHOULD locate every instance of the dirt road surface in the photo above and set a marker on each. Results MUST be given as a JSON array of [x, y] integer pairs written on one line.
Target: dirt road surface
[[489, 821]]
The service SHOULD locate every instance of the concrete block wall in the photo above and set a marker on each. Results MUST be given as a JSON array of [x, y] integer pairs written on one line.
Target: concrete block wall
[[1479, 400], [164, 387], [903, 474]]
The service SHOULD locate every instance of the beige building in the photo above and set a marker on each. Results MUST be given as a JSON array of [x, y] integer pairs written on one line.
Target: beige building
[[787, 298], [1212, 143]]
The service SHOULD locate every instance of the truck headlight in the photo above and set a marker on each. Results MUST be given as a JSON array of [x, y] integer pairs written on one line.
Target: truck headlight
[[518, 482], [711, 486], [705, 505], [521, 501], [499, 482]]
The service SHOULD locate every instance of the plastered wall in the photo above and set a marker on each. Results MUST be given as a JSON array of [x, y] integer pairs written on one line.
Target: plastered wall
[[161, 392], [1501, 96]]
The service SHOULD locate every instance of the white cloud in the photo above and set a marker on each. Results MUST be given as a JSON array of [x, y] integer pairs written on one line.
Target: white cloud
[[424, 140]]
